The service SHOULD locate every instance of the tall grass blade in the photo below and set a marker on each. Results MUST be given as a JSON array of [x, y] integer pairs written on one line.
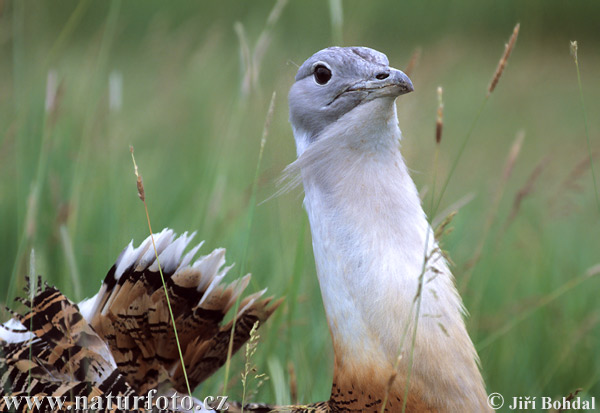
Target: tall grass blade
[[337, 22], [251, 208], [142, 195], [509, 165], [67, 245]]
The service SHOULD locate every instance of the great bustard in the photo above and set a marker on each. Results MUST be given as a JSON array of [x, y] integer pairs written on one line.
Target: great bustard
[[370, 238]]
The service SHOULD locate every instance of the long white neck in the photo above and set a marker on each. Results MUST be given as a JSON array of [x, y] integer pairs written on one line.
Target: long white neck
[[370, 239]]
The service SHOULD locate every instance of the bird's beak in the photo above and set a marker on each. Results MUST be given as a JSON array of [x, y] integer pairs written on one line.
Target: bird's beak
[[390, 82]]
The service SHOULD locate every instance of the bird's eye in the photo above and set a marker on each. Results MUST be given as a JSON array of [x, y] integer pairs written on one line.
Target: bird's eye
[[322, 74]]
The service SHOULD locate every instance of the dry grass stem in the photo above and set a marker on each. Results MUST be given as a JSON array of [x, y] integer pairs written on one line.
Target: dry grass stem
[[390, 383], [54, 95], [245, 57], [412, 63], [509, 165], [141, 194], [502, 63], [508, 49], [337, 21], [573, 47], [454, 207], [440, 230], [251, 209], [139, 183], [526, 190], [252, 61], [249, 366], [293, 383], [511, 160], [571, 183], [585, 122], [570, 397], [67, 245], [439, 123]]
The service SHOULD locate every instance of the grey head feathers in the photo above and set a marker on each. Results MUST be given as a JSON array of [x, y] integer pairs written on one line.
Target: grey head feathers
[[336, 80]]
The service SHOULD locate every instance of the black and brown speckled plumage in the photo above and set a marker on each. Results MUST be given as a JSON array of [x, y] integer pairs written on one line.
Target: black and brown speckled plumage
[[64, 357], [122, 340]]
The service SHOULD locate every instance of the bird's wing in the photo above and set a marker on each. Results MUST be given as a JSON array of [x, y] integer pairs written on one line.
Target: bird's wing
[[125, 332], [132, 314], [64, 357]]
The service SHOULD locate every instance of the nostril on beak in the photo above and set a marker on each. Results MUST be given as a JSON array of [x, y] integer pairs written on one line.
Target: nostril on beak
[[382, 75]]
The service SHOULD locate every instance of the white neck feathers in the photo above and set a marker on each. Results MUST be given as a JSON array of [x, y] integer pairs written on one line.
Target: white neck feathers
[[369, 238]]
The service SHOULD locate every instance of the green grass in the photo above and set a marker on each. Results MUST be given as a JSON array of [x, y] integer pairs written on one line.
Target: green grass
[[197, 139]]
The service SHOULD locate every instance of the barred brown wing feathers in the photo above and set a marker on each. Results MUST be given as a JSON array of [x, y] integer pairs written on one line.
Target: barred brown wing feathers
[[64, 358], [129, 345], [57, 321], [133, 316], [204, 357]]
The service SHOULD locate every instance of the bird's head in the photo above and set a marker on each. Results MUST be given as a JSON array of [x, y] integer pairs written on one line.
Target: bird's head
[[336, 81]]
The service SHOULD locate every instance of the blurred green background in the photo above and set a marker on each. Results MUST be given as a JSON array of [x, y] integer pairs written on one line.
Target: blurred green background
[[188, 83]]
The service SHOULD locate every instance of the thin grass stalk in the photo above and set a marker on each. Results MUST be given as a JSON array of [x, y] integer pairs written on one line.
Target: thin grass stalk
[[293, 383], [68, 29], [509, 164], [250, 350], [492, 86], [115, 105], [19, 84], [418, 300], [252, 60], [585, 122], [251, 209], [142, 195], [264, 39], [413, 62], [297, 271], [245, 58], [71, 261], [569, 183], [439, 127], [30, 224], [84, 150], [336, 16], [31, 296], [458, 156], [292, 293], [525, 190], [452, 208], [416, 307]]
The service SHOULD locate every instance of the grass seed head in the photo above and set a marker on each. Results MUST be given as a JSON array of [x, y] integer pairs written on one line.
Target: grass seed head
[[574, 49], [139, 182], [412, 63], [439, 123], [502, 63]]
